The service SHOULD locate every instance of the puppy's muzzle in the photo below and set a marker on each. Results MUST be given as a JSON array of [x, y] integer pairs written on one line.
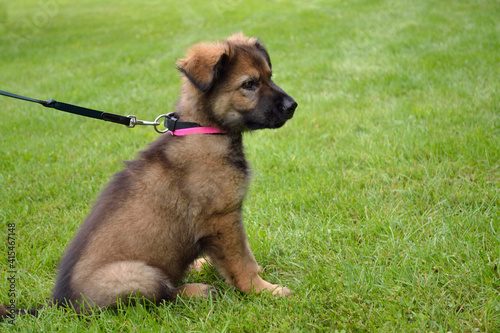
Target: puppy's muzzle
[[288, 107]]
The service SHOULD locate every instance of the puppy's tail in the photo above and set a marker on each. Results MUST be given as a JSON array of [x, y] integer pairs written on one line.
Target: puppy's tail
[[9, 313]]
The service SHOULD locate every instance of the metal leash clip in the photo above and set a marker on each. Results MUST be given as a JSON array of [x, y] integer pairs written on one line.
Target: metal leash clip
[[134, 121]]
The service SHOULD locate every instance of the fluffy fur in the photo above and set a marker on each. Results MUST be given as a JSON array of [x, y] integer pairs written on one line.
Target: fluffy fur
[[183, 196]]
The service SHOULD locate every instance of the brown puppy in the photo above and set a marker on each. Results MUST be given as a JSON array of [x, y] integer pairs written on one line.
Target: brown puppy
[[183, 197]]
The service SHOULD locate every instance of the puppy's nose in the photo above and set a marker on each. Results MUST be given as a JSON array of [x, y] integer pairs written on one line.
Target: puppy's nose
[[289, 106]]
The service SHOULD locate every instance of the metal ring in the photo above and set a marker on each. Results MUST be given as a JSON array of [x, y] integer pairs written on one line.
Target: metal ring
[[157, 121]]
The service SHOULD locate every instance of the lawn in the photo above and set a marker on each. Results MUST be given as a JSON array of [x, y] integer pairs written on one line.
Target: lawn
[[377, 204]]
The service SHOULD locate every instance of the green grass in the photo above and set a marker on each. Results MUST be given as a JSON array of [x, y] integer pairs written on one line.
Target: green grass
[[378, 204]]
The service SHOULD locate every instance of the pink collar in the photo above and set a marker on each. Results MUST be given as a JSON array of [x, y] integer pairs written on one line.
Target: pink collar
[[180, 128], [197, 130]]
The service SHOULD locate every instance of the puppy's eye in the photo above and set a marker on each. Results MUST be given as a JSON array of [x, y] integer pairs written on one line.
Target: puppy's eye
[[250, 85]]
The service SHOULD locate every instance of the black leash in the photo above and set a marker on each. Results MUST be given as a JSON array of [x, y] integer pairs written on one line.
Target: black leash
[[129, 121], [75, 109]]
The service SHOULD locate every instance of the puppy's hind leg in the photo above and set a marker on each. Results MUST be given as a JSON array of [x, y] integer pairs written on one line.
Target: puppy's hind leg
[[197, 264], [197, 290], [121, 280]]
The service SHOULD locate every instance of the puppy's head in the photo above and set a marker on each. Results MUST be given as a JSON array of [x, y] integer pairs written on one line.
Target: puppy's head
[[232, 80]]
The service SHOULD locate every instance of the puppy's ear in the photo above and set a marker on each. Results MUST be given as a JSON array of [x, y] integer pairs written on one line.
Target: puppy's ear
[[203, 64], [260, 46]]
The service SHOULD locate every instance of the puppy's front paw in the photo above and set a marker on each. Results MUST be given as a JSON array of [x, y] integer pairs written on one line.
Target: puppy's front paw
[[280, 291]]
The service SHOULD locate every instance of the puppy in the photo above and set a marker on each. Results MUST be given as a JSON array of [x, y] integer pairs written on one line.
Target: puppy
[[183, 196]]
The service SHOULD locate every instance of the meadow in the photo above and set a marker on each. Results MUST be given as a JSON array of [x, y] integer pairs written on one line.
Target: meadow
[[377, 204]]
